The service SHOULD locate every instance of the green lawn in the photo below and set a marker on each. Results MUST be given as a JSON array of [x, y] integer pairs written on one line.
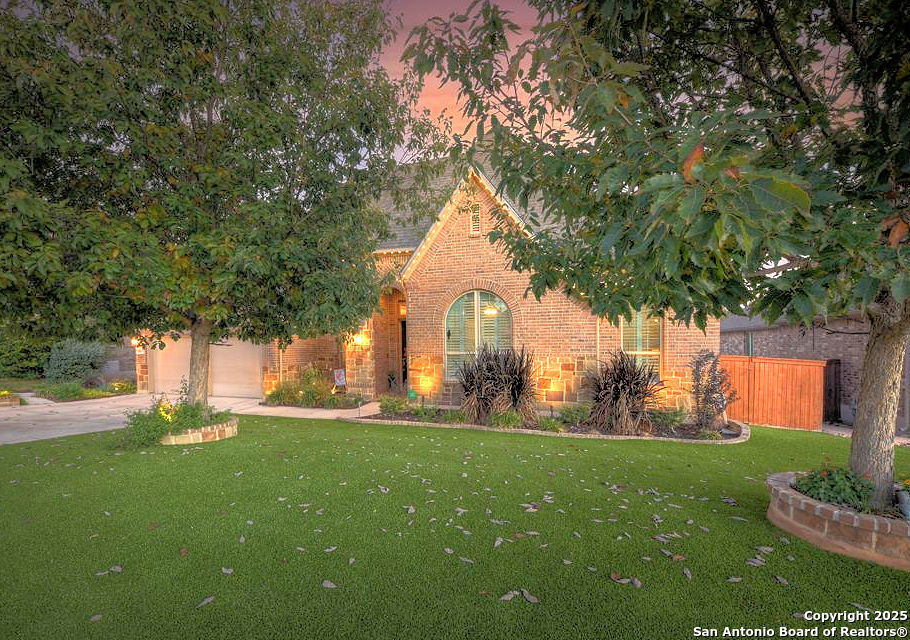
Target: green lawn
[[17, 385], [272, 503]]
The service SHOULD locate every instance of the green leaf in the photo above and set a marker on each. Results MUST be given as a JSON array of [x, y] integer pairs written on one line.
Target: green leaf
[[900, 288], [777, 195]]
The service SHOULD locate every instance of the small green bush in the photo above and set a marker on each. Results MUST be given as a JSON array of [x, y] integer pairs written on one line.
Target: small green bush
[[550, 424], [145, 428], [575, 415], [122, 386], [424, 412], [836, 486], [75, 361], [342, 401], [666, 418], [454, 416], [393, 405], [509, 419], [310, 389]]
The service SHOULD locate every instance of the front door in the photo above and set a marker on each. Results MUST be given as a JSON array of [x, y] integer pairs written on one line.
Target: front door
[[404, 354]]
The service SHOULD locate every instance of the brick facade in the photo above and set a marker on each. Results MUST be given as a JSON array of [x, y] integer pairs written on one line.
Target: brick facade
[[842, 339], [323, 352], [564, 336]]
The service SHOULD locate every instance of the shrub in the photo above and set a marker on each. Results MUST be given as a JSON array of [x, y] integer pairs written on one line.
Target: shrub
[[667, 418], [75, 361], [310, 389], [550, 424], [424, 412], [146, 427], [22, 356], [342, 401], [122, 386], [393, 405], [508, 419], [63, 391], [454, 416], [497, 380], [623, 389], [836, 486], [712, 392], [575, 415]]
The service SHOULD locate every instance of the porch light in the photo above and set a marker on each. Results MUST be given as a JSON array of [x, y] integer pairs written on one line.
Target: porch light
[[402, 310], [134, 342], [490, 311]]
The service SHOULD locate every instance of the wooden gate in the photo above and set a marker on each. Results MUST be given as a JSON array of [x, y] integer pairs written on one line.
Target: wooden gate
[[777, 391]]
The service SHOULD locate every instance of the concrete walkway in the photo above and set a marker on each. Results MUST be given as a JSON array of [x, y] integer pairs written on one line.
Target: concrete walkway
[[842, 430], [43, 420]]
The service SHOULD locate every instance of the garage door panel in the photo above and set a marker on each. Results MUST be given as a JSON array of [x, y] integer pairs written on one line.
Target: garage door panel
[[236, 369], [170, 365]]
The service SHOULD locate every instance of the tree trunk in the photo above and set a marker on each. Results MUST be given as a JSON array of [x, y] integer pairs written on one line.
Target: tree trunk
[[872, 447], [198, 383]]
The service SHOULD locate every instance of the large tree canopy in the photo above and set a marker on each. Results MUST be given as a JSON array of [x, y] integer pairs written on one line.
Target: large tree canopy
[[210, 167], [684, 148]]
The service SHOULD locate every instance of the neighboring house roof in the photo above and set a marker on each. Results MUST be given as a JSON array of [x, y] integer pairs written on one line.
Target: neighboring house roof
[[742, 323], [734, 322]]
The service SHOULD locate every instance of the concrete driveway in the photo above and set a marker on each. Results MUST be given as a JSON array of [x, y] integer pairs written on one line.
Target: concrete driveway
[[41, 421]]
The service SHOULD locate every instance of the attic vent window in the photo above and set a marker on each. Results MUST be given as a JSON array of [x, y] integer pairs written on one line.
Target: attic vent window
[[475, 219]]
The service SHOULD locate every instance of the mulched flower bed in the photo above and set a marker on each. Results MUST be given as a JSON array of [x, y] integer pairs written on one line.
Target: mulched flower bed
[[683, 432]]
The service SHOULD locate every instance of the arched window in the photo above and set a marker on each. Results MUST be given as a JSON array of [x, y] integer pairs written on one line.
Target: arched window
[[641, 337], [475, 319]]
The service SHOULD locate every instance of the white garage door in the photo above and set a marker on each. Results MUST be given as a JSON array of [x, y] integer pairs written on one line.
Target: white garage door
[[169, 365], [236, 369]]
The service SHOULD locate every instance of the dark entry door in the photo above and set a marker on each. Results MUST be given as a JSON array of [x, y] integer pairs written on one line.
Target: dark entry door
[[404, 353]]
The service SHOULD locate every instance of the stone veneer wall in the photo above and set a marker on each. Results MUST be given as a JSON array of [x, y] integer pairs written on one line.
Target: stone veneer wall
[[878, 539]]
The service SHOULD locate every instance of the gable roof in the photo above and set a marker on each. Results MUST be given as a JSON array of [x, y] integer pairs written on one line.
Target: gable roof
[[443, 215], [406, 234]]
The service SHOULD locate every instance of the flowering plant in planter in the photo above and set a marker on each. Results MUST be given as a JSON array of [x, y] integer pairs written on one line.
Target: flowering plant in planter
[[903, 497]]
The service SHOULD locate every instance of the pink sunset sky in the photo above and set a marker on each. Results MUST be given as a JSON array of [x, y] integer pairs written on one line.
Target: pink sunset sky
[[415, 13]]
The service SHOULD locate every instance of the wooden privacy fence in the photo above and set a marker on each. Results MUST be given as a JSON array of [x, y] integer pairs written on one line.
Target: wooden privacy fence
[[777, 391]]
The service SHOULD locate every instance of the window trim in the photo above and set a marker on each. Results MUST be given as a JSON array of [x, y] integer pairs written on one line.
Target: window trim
[[659, 352], [451, 376]]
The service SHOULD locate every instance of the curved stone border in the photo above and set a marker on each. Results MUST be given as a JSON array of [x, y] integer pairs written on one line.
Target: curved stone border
[[12, 400], [744, 432], [884, 541], [203, 434]]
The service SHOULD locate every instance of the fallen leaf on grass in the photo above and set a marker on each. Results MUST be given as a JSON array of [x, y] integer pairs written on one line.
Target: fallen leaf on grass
[[328, 584], [508, 595], [95, 618], [688, 573], [227, 571], [530, 598], [206, 600]]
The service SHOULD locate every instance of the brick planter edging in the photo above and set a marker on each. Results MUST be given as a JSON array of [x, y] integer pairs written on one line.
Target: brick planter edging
[[211, 433], [744, 431], [10, 401], [884, 541]]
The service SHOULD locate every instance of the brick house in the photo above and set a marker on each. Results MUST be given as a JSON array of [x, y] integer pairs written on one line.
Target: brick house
[[841, 338], [452, 291]]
